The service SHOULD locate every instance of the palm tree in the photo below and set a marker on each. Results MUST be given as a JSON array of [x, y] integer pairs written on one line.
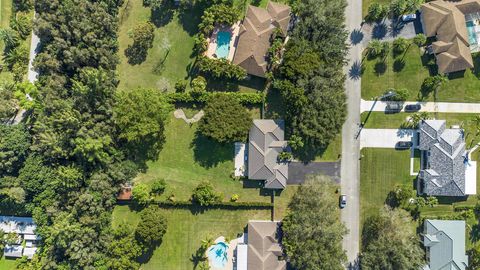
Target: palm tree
[[386, 48], [9, 37], [420, 40], [438, 81], [374, 48]]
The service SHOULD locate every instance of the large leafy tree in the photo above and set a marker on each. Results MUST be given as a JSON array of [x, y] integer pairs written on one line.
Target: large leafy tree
[[141, 114], [311, 78], [390, 243], [14, 144], [312, 230], [225, 120], [152, 226], [123, 250]]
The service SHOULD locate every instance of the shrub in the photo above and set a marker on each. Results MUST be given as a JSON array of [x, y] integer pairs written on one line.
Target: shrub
[[159, 186], [22, 23], [199, 85], [180, 86], [243, 98], [152, 226], [234, 198], [141, 194], [221, 69], [205, 195], [420, 40], [400, 45], [285, 156]]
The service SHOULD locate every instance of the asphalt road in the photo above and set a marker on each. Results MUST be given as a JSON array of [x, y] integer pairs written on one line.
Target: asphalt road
[[350, 168]]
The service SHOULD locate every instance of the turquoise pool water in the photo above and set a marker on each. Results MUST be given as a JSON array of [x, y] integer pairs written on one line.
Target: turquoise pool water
[[472, 36], [223, 44], [218, 255]]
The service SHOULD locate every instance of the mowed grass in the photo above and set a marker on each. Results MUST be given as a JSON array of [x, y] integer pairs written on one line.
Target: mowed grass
[[6, 8], [381, 170], [382, 120], [160, 69], [186, 231], [409, 71], [7, 264], [187, 159]]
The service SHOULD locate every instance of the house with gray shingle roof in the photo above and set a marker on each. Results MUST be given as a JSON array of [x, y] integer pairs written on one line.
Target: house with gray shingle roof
[[444, 242], [266, 142], [443, 158]]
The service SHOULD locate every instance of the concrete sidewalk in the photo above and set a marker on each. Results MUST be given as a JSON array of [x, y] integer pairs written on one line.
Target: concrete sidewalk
[[384, 138], [441, 107]]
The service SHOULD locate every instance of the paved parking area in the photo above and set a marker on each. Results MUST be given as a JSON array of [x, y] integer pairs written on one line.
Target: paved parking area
[[297, 171], [384, 138]]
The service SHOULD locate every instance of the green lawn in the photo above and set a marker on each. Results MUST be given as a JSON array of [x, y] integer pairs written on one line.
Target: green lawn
[[186, 230], [382, 120], [5, 14], [165, 65], [186, 160], [381, 170], [7, 264], [379, 76], [416, 160]]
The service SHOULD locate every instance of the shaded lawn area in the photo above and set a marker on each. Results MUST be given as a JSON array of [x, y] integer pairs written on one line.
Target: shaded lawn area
[[5, 14], [383, 120], [187, 159], [410, 74], [186, 231], [159, 70], [165, 65]]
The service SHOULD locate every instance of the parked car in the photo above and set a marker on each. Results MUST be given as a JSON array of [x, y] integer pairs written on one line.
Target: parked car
[[394, 107], [409, 17], [413, 108], [343, 201], [404, 145]]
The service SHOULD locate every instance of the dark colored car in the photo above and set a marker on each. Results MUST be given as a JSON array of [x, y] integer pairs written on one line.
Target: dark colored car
[[413, 108], [394, 107], [404, 145], [342, 201]]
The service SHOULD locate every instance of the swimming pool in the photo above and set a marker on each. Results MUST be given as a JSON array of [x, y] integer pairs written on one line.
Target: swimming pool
[[218, 255], [472, 36], [223, 44]]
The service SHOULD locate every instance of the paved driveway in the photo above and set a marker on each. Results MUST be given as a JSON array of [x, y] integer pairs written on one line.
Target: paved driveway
[[442, 107], [386, 30], [297, 171], [384, 138]]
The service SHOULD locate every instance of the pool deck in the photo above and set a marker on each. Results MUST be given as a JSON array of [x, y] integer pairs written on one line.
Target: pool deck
[[232, 245], [212, 40]]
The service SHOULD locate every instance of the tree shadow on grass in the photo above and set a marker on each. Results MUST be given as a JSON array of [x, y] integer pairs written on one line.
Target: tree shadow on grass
[[190, 17], [162, 16], [398, 65], [145, 150], [380, 68], [428, 61], [209, 153]]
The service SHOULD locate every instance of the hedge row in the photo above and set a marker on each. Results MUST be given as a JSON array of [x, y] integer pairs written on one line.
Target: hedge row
[[189, 97], [463, 208], [257, 205]]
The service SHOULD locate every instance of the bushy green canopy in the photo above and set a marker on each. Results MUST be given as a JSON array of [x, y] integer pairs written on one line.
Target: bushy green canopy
[[390, 243], [312, 230], [225, 120]]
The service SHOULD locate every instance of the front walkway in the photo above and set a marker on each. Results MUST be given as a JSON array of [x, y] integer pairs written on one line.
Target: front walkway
[[384, 138], [441, 107]]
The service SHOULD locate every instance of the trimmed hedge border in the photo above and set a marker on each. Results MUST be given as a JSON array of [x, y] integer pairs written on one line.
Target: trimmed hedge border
[[229, 205], [243, 98]]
